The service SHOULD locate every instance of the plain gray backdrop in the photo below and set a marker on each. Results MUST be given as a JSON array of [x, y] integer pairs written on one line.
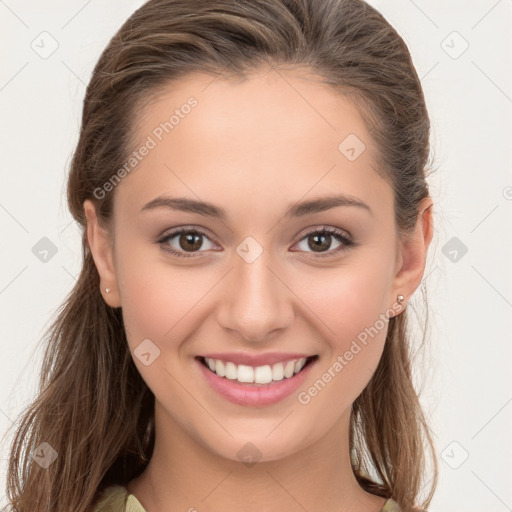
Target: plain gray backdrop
[[462, 51]]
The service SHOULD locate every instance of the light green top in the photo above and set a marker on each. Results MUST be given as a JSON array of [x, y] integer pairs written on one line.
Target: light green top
[[116, 498]]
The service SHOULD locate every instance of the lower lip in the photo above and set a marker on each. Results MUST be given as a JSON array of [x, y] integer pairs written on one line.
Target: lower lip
[[245, 394]]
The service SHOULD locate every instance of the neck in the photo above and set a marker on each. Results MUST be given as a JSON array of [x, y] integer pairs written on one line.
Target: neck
[[183, 474]]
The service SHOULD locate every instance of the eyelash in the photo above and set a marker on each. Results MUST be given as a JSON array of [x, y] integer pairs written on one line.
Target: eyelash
[[339, 235]]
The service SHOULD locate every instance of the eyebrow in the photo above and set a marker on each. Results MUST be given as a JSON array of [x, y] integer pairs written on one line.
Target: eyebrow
[[296, 210]]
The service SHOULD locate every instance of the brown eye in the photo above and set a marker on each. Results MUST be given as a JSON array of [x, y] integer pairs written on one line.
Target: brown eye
[[190, 242], [184, 241], [321, 241]]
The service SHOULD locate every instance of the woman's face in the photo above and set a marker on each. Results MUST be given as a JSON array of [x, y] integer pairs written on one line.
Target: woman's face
[[258, 280]]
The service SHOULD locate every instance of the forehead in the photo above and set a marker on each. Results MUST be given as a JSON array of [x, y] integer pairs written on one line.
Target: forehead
[[269, 103], [272, 131]]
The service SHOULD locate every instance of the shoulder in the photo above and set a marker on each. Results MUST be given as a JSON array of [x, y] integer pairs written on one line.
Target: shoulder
[[112, 499], [115, 498], [390, 506]]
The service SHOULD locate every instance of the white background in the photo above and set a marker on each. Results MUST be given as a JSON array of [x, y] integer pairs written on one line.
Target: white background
[[468, 392]]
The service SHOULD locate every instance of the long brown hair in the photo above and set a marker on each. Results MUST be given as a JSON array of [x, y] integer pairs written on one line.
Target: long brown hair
[[93, 407]]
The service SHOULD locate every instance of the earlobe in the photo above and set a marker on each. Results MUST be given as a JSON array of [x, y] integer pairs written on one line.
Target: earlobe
[[100, 245], [414, 249]]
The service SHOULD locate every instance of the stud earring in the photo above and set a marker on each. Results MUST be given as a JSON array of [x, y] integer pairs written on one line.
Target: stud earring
[[399, 298], [107, 290]]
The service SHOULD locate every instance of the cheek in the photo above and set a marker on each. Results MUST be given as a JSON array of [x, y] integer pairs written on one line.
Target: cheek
[[162, 302], [157, 302], [349, 298], [350, 302]]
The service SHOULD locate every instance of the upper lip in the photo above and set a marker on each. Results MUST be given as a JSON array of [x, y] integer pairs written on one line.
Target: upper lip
[[256, 359]]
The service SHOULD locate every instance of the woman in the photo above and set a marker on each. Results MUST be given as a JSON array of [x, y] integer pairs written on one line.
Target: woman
[[251, 182]]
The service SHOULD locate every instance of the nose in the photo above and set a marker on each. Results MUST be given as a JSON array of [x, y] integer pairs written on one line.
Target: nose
[[256, 302]]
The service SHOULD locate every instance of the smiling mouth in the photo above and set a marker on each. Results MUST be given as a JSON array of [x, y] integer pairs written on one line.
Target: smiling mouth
[[260, 375]]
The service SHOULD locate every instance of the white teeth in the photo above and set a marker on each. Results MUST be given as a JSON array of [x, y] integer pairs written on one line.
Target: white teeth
[[245, 373], [299, 364], [219, 368], [289, 369], [211, 364], [263, 374], [230, 369], [278, 371], [258, 375]]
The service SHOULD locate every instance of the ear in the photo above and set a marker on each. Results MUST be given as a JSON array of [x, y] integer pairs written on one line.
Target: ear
[[100, 244], [412, 254]]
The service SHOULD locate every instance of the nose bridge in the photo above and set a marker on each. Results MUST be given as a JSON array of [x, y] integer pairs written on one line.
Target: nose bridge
[[256, 302]]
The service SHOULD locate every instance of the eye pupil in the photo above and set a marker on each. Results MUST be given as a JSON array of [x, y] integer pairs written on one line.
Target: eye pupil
[[319, 245], [195, 239]]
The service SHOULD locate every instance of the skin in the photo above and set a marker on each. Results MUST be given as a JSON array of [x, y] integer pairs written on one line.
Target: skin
[[253, 148]]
